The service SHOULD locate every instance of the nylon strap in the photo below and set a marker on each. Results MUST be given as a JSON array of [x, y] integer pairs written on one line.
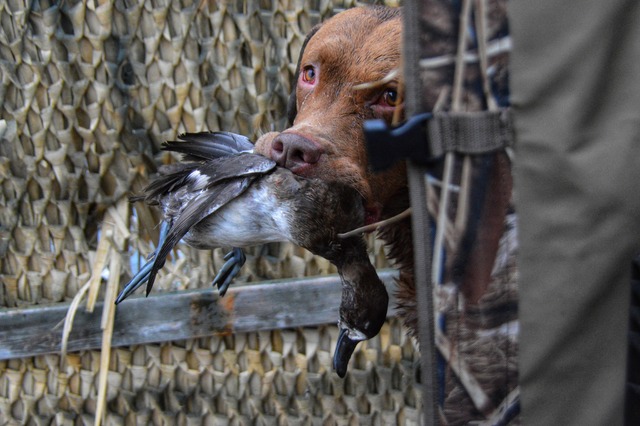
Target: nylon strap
[[420, 222], [470, 133]]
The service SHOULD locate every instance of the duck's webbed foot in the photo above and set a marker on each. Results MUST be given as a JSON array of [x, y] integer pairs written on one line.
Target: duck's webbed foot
[[231, 268]]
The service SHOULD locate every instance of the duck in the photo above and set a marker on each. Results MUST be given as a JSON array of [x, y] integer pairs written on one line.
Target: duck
[[224, 195]]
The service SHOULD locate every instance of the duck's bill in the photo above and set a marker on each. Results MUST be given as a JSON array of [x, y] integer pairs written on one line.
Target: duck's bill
[[344, 349]]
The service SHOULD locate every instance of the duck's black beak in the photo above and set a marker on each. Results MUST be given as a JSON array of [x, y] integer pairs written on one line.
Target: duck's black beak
[[344, 350]]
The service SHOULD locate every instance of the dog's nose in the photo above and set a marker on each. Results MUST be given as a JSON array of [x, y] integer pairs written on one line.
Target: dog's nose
[[295, 152]]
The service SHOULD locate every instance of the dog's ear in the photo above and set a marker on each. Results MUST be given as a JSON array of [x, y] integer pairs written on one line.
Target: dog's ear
[[292, 104]]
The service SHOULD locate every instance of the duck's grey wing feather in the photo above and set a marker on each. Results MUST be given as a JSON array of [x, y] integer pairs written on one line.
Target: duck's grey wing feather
[[221, 169], [205, 146], [197, 177], [168, 181]]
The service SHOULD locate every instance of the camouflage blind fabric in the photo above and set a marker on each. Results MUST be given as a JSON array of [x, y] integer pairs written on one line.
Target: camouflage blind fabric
[[267, 378], [89, 91]]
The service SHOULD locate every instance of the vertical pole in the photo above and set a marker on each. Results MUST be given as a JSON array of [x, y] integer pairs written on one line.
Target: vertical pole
[[420, 220], [424, 292]]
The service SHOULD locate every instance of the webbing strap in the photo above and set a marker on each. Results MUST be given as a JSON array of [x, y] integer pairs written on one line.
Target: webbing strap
[[420, 221], [425, 138], [469, 132]]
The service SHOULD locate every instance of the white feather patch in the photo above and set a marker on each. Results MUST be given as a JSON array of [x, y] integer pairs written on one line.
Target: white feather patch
[[199, 180]]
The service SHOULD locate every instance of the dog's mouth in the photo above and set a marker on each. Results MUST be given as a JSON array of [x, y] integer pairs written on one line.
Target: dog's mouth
[[307, 157], [372, 212]]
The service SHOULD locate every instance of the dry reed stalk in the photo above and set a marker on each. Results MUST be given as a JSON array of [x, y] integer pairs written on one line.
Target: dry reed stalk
[[483, 55], [108, 317], [458, 364], [68, 320], [378, 83], [92, 287], [456, 106], [442, 219], [377, 225], [117, 239]]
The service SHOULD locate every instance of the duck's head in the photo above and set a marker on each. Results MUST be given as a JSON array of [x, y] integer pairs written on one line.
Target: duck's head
[[363, 308]]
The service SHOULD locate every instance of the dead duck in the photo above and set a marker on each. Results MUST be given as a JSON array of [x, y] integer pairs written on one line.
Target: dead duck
[[224, 195]]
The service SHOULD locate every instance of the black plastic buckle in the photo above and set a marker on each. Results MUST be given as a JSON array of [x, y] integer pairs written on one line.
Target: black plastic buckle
[[386, 145]]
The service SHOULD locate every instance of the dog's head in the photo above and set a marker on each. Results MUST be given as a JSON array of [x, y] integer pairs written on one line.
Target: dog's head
[[331, 101]]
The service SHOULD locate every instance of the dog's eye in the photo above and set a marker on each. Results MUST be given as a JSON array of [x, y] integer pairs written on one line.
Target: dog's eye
[[390, 97], [309, 75]]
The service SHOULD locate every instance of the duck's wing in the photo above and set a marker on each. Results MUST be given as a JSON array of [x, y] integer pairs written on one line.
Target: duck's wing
[[173, 229], [203, 176], [205, 146], [211, 186]]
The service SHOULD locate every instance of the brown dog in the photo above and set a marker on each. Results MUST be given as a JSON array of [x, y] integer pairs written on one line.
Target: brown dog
[[327, 110]]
